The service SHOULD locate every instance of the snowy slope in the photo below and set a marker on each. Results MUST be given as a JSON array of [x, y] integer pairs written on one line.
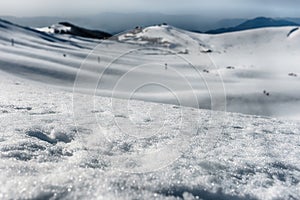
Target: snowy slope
[[40, 56], [263, 59], [259, 60], [205, 71]]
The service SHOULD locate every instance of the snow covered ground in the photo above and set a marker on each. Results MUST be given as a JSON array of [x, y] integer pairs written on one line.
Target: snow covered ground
[[44, 155], [64, 135]]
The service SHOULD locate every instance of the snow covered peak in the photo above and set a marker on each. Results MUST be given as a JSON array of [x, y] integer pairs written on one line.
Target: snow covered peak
[[55, 28], [71, 29], [164, 36]]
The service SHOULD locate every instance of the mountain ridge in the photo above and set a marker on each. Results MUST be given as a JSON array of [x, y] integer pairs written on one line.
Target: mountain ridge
[[259, 22], [71, 29]]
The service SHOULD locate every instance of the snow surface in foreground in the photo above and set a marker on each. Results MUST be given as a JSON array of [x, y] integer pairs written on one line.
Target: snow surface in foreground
[[45, 156]]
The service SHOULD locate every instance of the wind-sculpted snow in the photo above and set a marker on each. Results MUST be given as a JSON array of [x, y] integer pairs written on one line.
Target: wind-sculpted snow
[[45, 155]]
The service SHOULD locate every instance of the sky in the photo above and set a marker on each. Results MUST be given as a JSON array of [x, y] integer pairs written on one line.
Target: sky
[[211, 8]]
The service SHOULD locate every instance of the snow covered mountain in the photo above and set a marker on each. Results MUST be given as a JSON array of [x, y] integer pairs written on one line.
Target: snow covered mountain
[[72, 126], [221, 66], [71, 29]]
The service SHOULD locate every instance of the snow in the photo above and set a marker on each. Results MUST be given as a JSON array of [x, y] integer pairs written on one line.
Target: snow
[[55, 28], [200, 61], [44, 155], [128, 128]]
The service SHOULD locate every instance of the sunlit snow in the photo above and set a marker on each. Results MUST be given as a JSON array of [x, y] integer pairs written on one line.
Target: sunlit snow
[[94, 133]]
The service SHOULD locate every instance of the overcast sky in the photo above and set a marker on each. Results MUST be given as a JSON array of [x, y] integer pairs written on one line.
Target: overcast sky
[[210, 8]]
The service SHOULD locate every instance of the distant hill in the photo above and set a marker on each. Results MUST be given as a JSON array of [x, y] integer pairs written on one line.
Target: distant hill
[[79, 31], [71, 29], [259, 22], [296, 20]]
